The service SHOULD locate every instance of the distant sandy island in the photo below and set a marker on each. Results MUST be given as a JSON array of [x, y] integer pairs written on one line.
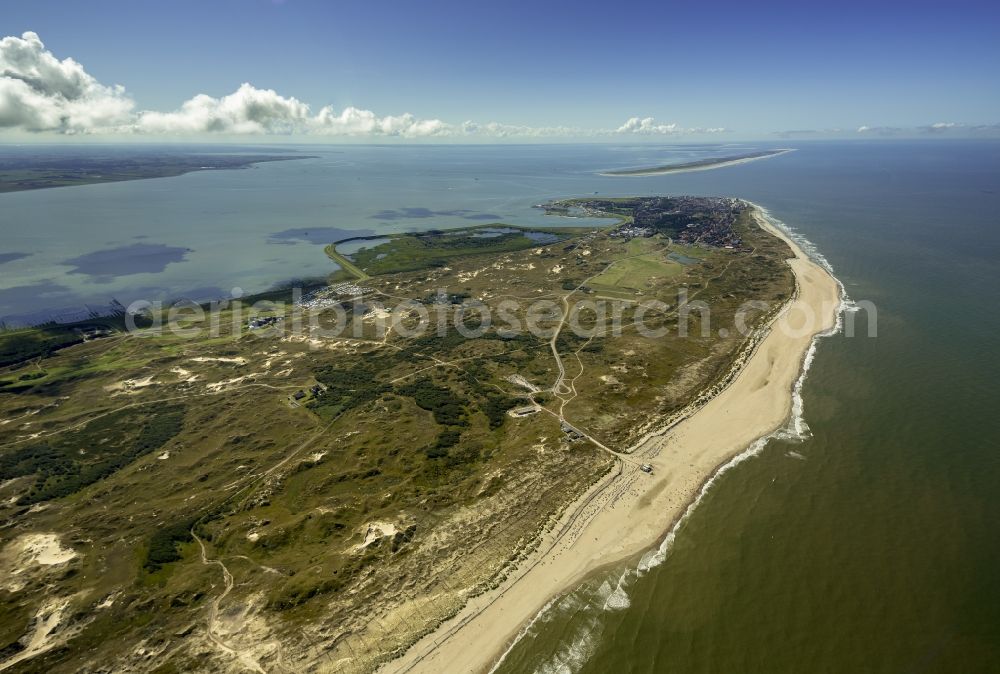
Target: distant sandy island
[[700, 165], [629, 512]]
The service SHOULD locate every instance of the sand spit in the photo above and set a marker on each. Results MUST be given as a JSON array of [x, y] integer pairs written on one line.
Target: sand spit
[[629, 512], [661, 170]]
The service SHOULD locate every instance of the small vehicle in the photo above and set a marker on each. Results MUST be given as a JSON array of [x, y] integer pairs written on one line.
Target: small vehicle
[[646, 468]]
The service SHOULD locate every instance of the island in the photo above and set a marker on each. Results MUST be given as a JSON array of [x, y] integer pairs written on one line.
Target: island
[[45, 168], [396, 469], [699, 165]]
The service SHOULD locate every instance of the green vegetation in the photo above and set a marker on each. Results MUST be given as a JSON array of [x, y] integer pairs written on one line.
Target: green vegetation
[[69, 463], [346, 388], [446, 407], [636, 272], [163, 544], [396, 488], [345, 263], [435, 248], [18, 345], [42, 170]]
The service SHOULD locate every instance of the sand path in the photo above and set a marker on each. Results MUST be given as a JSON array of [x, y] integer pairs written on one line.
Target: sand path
[[624, 515]]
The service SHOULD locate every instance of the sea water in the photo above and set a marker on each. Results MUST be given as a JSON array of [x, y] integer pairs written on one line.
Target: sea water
[[864, 538]]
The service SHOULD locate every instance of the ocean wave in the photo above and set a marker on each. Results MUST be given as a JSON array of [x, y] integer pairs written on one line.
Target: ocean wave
[[796, 428], [578, 649], [657, 556], [616, 598], [809, 248], [542, 615], [570, 658]]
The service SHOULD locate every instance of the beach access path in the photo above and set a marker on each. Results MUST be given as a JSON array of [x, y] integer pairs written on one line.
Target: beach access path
[[629, 512]]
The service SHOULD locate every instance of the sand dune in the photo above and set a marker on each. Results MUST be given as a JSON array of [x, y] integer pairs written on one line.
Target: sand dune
[[629, 513]]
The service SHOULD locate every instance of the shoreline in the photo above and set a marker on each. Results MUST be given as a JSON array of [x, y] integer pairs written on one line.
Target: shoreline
[[681, 168], [232, 162], [636, 514]]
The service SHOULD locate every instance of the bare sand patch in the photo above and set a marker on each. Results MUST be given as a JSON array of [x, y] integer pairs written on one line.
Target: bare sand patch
[[130, 385], [375, 531], [45, 549], [29, 557], [636, 515], [236, 360], [184, 375]]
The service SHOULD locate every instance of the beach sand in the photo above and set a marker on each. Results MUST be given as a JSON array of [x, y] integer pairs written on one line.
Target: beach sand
[[662, 170], [624, 515]]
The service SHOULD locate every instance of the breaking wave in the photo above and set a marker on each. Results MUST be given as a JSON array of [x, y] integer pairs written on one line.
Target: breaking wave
[[616, 598], [589, 601], [613, 596], [795, 429], [543, 615], [575, 653]]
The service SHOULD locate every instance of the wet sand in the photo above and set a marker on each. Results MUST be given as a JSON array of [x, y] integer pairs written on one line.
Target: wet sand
[[684, 168], [624, 515]]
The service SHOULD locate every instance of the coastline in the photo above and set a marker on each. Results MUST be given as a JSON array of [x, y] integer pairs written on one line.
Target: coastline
[[625, 515], [663, 170], [57, 176]]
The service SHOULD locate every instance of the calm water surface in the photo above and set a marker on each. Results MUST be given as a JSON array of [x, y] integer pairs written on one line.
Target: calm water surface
[[871, 546]]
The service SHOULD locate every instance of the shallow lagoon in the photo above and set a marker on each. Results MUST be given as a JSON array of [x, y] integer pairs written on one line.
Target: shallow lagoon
[[871, 546], [257, 227]]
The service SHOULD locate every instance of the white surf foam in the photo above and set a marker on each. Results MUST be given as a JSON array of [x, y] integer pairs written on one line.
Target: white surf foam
[[570, 658], [658, 555], [795, 429], [559, 605], [616, 598]]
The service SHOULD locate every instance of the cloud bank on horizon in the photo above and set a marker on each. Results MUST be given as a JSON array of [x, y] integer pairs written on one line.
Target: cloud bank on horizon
[[39, 93]]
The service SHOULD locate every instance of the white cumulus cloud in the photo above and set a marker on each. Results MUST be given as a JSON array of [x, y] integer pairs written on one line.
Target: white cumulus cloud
[[38, 92], [247, 110], [649, 127], [250, 110], [355, 122], [41, 93]]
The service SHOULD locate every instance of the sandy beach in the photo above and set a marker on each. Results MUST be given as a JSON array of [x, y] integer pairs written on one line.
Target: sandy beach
[[629, 511], [661, 170]]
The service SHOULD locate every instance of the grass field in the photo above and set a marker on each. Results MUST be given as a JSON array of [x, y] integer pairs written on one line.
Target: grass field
[[360, 516], [345, 264], [637, 272], [643, 263], [412, 252]]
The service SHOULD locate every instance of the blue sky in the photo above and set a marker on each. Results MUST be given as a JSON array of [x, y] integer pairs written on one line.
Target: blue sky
[[584, 67]]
